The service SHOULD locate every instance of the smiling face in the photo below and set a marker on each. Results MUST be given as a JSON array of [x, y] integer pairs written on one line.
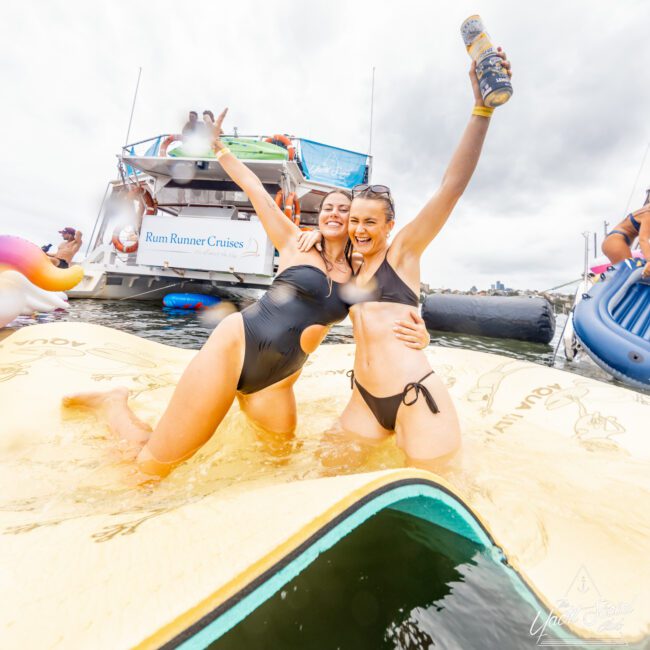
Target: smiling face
[[369, 227], [334, 216]]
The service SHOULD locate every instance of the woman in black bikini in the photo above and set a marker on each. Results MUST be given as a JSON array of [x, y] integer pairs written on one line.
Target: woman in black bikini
[[618, 243], [395, 390], [255, 355]]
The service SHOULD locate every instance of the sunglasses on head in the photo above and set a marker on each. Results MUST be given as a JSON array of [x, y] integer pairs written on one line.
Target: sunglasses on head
[[375, 189]]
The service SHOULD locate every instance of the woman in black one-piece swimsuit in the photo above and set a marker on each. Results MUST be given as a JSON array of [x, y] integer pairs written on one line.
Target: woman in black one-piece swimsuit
[[256, 355]]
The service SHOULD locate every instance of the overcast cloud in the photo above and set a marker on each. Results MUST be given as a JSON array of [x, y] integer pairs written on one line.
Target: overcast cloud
[[561, 156]]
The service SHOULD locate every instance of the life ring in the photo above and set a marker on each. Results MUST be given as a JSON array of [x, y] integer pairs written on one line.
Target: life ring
[[290, 207], [166, 142], [146, 200], [125, 236], [285, 141]]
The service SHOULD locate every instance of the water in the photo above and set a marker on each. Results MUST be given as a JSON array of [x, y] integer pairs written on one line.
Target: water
[[186, 329], [399, 582]]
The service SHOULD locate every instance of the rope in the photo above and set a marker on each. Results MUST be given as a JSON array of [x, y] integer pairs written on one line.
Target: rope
[[144, 293]]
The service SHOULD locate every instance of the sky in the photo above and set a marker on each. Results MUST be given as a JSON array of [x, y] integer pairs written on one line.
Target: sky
[[567, 153]]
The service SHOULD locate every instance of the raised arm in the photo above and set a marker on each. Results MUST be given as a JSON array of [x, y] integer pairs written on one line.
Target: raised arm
[[279, 228], [418, 234], [643, 215], [77, 242]]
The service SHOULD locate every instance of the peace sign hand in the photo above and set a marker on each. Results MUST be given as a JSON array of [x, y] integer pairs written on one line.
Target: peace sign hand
[[218, 131]]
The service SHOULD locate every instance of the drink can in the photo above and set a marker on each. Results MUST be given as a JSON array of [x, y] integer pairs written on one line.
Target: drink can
[[493, 79]]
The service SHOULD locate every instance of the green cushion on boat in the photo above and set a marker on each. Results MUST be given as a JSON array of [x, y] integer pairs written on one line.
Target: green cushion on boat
[[242, 148]]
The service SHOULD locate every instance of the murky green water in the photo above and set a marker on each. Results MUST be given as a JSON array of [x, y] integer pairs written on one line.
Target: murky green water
[[400, 582]]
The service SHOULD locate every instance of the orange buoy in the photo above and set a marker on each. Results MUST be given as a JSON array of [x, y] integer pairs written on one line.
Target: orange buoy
[[125, 238], [126, 234], [166, 142], [290, 207], [285, 141]]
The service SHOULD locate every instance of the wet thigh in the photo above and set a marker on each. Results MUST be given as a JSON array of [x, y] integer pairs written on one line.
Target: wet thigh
[[357, 420], [272, 409], [203, 395], [423, 435], [349, 443]]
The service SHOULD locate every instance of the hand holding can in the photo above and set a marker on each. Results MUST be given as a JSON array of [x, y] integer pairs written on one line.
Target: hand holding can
[[491, 70]]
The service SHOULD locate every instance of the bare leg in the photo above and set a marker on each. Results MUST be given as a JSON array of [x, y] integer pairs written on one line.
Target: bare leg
[[273, 412], [274, 408], [112, 406], [343, 446], [429, 439], [202, 398]]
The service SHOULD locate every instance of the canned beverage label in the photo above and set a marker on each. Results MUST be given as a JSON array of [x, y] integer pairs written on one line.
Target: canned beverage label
[[493, 78], [493, 81], [481, 47]]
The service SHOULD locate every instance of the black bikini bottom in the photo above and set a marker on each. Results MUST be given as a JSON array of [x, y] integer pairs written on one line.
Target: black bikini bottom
[[385, 408]]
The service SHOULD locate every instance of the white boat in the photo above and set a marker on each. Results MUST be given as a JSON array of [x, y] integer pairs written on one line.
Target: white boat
[[174, 221]]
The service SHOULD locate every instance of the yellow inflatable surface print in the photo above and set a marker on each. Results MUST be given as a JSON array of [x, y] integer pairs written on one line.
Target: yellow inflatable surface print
[[554, 470]]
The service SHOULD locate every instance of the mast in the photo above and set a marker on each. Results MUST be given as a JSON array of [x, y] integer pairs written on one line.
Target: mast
[[135, 96], [372, 105]]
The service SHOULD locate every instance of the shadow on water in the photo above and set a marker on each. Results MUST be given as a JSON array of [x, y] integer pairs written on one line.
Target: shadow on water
[[398, 582]]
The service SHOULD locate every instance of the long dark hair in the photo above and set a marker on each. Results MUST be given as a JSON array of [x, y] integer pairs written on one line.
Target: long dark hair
[[348, 246]]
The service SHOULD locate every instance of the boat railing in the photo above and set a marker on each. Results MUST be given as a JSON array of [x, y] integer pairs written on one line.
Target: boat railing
[[318, 162], [151, 146]]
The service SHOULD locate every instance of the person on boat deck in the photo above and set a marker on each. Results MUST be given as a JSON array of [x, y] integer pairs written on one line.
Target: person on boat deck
[[191, 125], [208, 121], [395, 391], [255, 355], [617, 246], [68, 249]]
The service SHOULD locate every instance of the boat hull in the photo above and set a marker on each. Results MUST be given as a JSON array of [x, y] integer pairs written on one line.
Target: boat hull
[[99, 284]]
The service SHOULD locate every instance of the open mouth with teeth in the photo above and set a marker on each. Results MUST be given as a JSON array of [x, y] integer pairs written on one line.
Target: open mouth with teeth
[[362, 240]]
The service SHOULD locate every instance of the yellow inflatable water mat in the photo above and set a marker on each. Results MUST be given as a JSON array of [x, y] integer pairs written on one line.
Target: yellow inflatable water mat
[[553, 474]]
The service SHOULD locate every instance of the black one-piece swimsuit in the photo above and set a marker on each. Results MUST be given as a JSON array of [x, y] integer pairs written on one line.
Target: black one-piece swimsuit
[[300, 296]]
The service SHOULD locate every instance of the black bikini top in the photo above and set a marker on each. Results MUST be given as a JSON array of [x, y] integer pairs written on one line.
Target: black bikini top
[[312, 297], [389, 287]]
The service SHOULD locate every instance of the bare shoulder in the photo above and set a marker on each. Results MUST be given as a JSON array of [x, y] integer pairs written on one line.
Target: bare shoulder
[[399, 256]]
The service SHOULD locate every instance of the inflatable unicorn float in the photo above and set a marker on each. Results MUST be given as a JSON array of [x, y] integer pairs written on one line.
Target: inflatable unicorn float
[[29, 282]]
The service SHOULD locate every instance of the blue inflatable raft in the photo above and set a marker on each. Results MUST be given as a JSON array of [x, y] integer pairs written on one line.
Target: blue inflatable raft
[[612, 322], [189, 301]]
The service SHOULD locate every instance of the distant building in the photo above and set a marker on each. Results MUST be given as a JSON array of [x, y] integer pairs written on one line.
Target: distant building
[[473, 290]]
